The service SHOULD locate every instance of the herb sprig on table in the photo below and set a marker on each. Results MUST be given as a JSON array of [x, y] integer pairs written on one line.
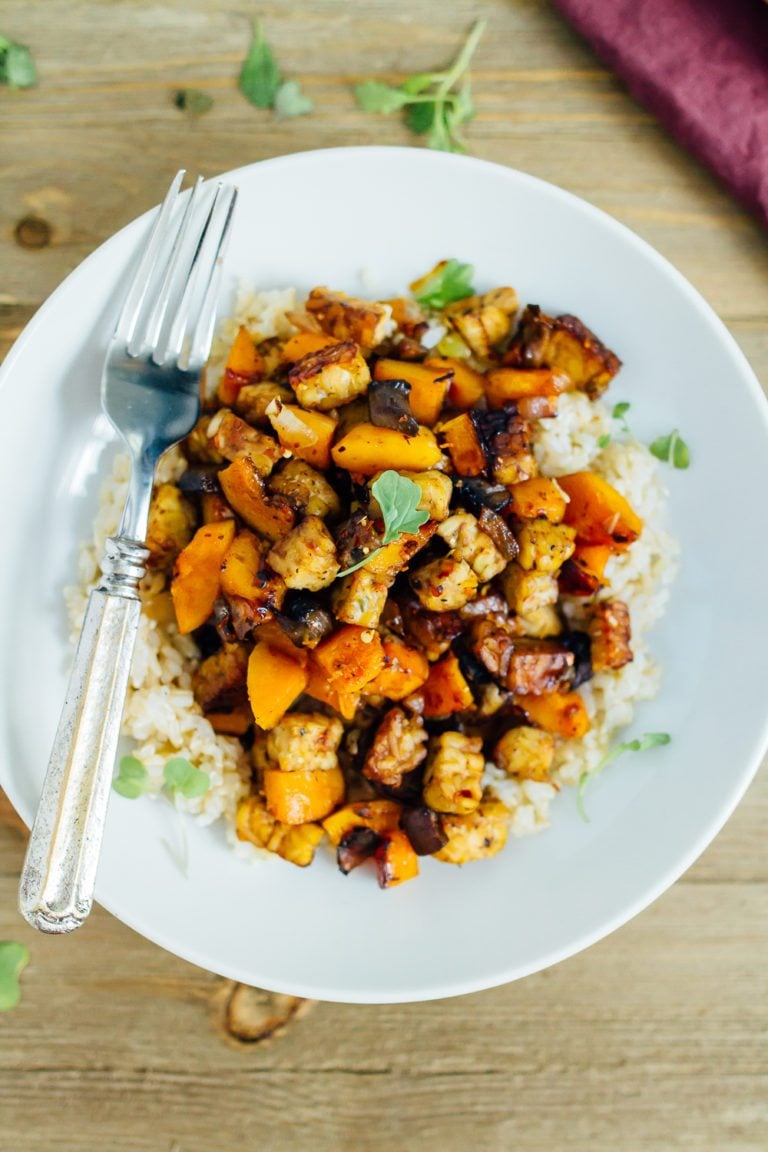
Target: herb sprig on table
[[262, 82], [17, 68], [13, 960], [435, 104], [398, 497]]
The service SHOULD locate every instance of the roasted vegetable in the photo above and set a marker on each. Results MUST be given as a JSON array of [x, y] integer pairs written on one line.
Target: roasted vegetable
[[219, 680], [305, 489], [350, 658], [171, 525], [476, 836], [390, 407], [465, 387], [434, 631], [444, 584], [304, 620], [562, 713], [580, 644], [308, 435], [610, 632], [445, 691], [381, 816], [303, 343], [506, 385], [477, 495], [510, 450], [304, 796], [275, 680], [367, 449], [244, 365], [197, 579], [253, 400], [464, 444], [599, 514], [452, 781], [398, 747], [295, 843], [244, 572], [320, 688], [196, 481], [396, 860], [245, 491], [424, 829], [234, 439], [428, 386], [347, 318], [525, 752], [304, 740], [330, 377], [355, 847], [566, 345], [306, 557], [405, 670], [540, 498], [584, 573]]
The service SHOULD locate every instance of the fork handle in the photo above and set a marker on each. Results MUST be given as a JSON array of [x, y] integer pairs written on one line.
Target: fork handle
[[59, 873]]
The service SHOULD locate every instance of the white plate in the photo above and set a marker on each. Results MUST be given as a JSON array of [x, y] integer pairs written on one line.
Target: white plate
[[324, 217]]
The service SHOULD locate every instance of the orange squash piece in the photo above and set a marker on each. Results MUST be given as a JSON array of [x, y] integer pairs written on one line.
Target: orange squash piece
[[298, 346], [584, 573], [274, 681], [504, 385], [303, 796], [598, 512], [318, 686], [563, 713], [368, 449], [405, 669], [308, 435], [396, 860], [381, 816], [244, 489], [245, 365], [350, 658], [466, 386], [234, 723], [197, 577], [429, 386], [463, 443], [539, 498], [446, 690]]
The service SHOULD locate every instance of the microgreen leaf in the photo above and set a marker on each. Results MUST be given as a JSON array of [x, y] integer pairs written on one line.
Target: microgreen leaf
[[619, 413], [13, 960], [181, 776], [604, 440], [398, 497], [421, 117], [17, 68], [672, 449], [260, 78], [290, 101], [132, 778], [450, 283], [194, 101], [640, 744], [373, 96]]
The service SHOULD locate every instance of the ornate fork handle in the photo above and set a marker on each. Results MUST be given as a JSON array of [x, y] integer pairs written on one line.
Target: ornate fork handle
[[59, 872]]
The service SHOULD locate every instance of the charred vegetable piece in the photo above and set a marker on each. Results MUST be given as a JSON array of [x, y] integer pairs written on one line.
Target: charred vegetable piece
[[213, 508], [506, 385], [477, 494], [503, 538], [348, 318], [304, 620], [197, 579], [598, 512], [405, 670], [171, 525], [610, 631], [452, 781], [196, 480], [398, 747], [304, 796], [465, 445], [396, 860], [511, 458], [389, 406], [537, 667], [444, 584], [304, 740], [244, 365], [219, 681], [305, 489], [562, 713], [298, 346], [476, 836], [423, 828], [540, 498], [466, 387], [356, 538], [434, 631], [235, 439], [446, 691], [244, 572], [428, 386], [236, 722], [355, 847], [350, 658], [381, 816], [580, 644], [584, 573], [245, 491], [368, 450], [295, 843], [274, 681], [320, 688], [331, 377], [306, 556], [308, 435], [525, 752], [565, 344]]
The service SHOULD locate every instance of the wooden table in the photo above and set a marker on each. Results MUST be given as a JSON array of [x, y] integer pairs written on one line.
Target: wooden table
[[653, 1039]]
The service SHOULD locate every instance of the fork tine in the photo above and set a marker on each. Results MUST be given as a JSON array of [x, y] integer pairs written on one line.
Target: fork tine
[[202, 334], [137, 292], [148, 339]]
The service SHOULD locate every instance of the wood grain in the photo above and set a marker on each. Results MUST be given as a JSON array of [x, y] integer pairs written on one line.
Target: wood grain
[[654, 1039]]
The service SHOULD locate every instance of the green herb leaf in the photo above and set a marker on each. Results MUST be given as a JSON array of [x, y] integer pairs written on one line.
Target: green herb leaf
[[181, 776], [132, 778], [194, 101], [398, 497], [372, 96], [671, 449], [260, 78], [641, 744], [419, 82], [290, 101], [17, 68], [604, 440], [620, 410], [13, 960], [421, 117], [452, 282]]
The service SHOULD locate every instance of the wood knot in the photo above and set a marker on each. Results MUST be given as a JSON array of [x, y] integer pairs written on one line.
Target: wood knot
[[253, 1016], [33, 232]]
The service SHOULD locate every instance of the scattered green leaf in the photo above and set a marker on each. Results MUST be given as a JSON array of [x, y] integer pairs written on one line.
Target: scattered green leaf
[[672, 449], [641, 744], [13, 960], [132, 778], [260, 78], [182, 777], [194, 101], [17, 68], [619, 413], [398, 497], [450, 283], [291, 101], [604, 440], [436, 103]]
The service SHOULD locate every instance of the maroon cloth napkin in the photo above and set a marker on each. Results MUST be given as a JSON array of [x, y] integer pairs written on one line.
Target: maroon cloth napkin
[[701, 66]]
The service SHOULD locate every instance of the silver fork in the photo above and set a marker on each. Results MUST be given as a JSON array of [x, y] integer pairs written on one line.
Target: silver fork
[[150, 391]]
